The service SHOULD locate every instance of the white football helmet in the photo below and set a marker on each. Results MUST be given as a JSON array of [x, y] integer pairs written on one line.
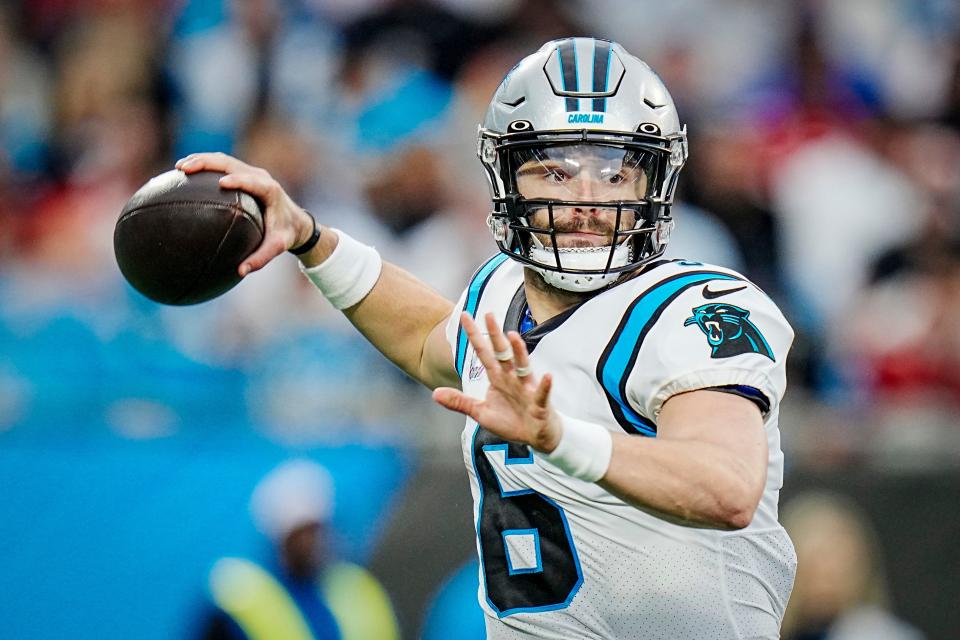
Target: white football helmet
[[580, 127]]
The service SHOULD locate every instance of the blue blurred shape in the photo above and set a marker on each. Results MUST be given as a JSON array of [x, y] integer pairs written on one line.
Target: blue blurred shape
[[455, 606], [115, 540], [406, 110]]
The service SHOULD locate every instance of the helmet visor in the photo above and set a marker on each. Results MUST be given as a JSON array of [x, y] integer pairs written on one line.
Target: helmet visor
[[595, 173]]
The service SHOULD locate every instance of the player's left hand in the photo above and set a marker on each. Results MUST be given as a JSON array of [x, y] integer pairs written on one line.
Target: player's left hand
[[517, 405]]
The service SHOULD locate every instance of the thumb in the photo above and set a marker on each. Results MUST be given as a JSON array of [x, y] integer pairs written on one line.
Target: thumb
[[541, 394], [271, 247], [455, 400]]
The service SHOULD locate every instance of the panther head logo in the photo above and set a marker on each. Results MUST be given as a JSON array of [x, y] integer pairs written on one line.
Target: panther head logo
[[728, 330]]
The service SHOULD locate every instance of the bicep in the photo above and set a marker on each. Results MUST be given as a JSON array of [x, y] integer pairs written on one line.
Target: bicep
[[728, 421]]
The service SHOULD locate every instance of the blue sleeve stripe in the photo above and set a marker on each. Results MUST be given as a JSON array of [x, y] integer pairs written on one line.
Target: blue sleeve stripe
[[474, 289], [753, 394], [620, 355]]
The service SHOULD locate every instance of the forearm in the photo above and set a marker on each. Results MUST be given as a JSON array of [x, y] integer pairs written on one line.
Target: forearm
[[688, 482], [707, 466], [398, 316]]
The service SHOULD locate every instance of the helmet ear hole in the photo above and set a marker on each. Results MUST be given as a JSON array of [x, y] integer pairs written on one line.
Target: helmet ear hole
[[649, 128], [520, 125]]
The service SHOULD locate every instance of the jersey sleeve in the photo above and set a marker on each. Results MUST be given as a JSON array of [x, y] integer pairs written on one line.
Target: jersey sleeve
[[726, 334]]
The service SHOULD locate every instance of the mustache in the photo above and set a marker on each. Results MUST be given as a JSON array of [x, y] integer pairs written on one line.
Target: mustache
[[584, 225]]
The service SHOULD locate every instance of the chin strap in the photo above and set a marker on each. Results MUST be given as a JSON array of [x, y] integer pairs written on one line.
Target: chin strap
[[577, 282], [594, 258]]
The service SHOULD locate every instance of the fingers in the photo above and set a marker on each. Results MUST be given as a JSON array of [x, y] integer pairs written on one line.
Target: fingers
[[455, 400], [210, 162], [481, 346], [254, 181], [279, 231], [521, 358], [500, 354], [502, 349], [240, 175]]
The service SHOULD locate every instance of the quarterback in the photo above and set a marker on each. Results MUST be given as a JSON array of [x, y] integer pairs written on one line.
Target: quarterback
[[621, 409]]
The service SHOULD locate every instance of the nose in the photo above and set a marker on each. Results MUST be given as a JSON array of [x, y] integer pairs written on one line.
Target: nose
[[586, 189]]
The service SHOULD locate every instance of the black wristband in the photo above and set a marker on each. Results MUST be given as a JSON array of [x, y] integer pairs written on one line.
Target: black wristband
[[311, 241]]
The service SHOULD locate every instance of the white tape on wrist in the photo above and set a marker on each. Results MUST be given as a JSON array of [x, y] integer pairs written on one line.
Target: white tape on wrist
[[584, 451], [348, 274]]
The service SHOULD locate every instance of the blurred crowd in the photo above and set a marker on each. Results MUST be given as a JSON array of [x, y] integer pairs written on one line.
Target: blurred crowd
[[825, 164]]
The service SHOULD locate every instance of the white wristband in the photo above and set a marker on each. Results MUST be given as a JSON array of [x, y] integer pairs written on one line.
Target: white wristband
[[584, 451], [348, 274]]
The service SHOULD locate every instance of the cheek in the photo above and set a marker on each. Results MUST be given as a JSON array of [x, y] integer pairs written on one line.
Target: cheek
[[540, 218], [628, 220]]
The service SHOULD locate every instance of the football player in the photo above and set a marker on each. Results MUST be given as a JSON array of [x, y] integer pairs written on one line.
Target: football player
[[621, 409]]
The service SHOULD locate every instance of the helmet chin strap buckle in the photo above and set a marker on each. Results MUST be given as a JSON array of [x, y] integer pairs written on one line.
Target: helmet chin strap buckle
[[497, 228], [664, 229]]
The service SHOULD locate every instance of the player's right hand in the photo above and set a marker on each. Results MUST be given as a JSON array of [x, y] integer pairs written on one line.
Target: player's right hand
[[286, 224], [517, 403]]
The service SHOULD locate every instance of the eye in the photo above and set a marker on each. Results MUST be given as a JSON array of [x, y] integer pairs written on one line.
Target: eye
[[557, 176], [617, 178], [721, 310]]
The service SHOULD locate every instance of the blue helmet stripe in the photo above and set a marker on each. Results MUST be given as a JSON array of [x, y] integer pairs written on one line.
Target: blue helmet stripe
[[601, 71], [567, 54]]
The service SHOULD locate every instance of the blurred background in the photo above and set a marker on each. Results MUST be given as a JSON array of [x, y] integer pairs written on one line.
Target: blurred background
[[824, 164]]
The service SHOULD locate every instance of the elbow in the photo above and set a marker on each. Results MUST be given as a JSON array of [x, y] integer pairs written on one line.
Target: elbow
[[739, 503], [738, 519], [738, 510]]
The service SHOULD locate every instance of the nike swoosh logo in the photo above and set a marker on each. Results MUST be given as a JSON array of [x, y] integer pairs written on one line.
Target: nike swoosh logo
[[710, 295]]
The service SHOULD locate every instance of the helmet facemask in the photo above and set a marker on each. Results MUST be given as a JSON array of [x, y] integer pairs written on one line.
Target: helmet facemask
[[581, 207]]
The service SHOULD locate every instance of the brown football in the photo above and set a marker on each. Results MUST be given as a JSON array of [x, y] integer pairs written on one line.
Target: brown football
[[180, 238]]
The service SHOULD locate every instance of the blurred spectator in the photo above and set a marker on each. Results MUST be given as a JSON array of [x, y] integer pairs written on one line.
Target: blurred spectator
[[233, 61], [724, 178], [838, 203], [840, 592], [420, 33], [109, 138], [700, 233], [905, 49], [839, 206], [404, 203], [901, 348], [304, 593], [898, 345], [409, 217], [951, 109], [25, 105]]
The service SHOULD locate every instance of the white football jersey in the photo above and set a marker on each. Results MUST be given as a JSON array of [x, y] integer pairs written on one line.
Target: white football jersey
[[563, 558]]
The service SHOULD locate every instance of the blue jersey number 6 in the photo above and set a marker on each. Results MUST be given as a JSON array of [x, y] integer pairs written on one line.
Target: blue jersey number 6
[[527, 554]]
